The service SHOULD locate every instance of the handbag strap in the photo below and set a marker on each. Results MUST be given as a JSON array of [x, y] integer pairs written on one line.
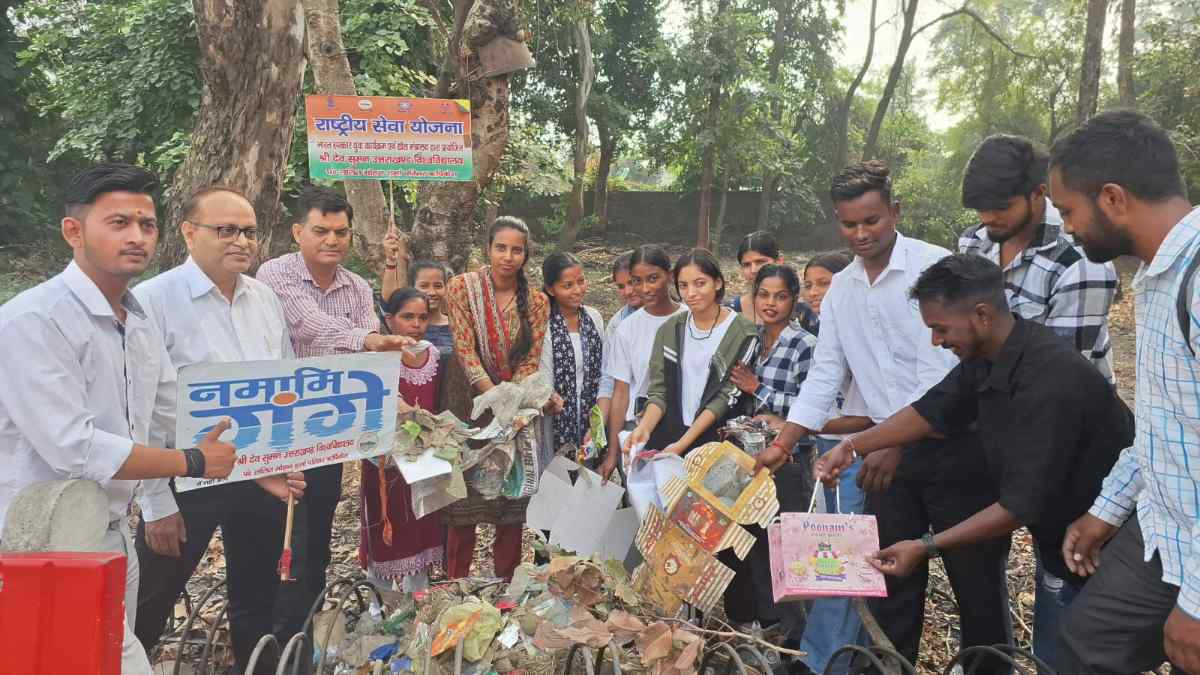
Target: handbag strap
[[837, 498]]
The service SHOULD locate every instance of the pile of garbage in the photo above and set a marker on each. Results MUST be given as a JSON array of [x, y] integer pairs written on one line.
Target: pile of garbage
[[526, 626]]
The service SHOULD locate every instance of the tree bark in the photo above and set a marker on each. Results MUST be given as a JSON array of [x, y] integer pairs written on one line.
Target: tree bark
[[583, 89], [332, 74], [1093, 56], [889, 89], [252, 63], [446, 220], [608, 151], [841, 120], [719, 226], [1125, 42], [779, 47], [703, 221]]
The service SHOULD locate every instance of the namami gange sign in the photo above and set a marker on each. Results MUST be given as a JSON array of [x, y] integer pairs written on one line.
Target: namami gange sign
[[292, 414]]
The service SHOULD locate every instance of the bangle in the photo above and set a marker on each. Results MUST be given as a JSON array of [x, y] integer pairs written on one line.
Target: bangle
[[850, 442], [195, 462]]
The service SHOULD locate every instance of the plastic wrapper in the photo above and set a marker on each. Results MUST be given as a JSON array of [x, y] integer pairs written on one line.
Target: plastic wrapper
[[478, 623]]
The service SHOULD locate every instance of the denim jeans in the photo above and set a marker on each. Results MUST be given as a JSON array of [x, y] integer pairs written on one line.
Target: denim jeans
[[833, 623], [1050, 600]]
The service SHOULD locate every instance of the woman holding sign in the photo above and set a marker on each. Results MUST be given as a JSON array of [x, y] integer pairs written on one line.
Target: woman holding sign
[[498, 327]]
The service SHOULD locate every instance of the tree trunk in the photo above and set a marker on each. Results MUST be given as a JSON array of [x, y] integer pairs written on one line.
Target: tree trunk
[[252, 62], [779, 46], [608, 150], [1125, 90], [703, 220], [1093, 56], [583, 43], [841, 120], [719, 226], [889, 89], [445, 221], [332, 74]]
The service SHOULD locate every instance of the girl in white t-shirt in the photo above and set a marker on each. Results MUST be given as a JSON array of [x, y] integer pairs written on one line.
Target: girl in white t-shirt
[[650, 276]]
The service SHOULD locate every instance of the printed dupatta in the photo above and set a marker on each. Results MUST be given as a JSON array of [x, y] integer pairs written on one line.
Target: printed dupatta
[[572, 425], [492, 337]]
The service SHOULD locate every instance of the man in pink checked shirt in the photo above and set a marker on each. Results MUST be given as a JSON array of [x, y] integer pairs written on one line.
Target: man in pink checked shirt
[[329, 310]]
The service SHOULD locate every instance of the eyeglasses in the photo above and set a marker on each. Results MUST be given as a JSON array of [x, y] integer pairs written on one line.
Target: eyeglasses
[[231, 232]]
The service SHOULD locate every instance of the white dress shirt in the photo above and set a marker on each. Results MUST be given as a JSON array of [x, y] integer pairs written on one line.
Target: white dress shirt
[[79, 388], [199, 325], [874, 333]]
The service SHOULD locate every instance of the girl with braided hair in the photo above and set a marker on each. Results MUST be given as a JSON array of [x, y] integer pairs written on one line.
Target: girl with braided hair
[[498, 327]]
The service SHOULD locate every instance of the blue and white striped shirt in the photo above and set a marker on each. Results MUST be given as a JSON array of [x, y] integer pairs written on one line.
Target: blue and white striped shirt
[[1160, 474]]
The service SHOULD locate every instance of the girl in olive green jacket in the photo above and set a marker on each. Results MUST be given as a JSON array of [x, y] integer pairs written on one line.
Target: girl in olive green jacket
[[690, 394]]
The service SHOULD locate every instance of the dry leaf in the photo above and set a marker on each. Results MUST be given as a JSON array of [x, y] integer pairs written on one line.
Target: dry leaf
[[686, 661], [548, 637], [588, 631], [624, 626], [654, 643]]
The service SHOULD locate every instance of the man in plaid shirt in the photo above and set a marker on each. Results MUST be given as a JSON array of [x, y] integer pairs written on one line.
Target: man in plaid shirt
[[1117, 182], [329, 310], [1047, 277]]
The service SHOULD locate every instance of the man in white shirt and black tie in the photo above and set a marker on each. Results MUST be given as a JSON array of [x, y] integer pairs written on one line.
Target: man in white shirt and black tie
[[208, 310], [88, 385]]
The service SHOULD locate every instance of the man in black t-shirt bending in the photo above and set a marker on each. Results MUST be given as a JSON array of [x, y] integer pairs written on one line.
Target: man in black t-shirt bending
[[1050, 424]]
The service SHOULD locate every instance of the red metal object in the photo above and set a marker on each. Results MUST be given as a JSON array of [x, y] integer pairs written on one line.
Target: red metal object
[[61, 613]]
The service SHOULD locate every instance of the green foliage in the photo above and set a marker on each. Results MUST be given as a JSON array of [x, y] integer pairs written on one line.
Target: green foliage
[[27, 187], [122, 77], [532, 165], [387, 44], [1166, 81]]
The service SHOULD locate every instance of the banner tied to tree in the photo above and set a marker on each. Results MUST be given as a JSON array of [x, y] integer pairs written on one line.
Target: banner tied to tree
[[388, 138]]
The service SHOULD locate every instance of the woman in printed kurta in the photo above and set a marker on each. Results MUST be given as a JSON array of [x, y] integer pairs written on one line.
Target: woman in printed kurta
[[498, 326], [395, 545]]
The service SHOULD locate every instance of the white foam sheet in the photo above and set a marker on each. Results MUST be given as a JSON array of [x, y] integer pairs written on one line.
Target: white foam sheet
[[584, 519], [582, 515]]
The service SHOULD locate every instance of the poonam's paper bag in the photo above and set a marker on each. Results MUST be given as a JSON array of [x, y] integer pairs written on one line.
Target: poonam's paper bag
[[823, 554]]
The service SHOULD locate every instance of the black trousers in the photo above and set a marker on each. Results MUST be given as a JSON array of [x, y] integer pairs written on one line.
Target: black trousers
[[252, 524], [940, 484], [1115, 624], [321, 496], [748, 597]]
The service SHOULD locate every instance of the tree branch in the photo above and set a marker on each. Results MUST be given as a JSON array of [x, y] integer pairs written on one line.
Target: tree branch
[[450, 69], [967, 11]]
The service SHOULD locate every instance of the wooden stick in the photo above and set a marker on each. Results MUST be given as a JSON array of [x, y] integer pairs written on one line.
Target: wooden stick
[[734, 634], [285, 561]]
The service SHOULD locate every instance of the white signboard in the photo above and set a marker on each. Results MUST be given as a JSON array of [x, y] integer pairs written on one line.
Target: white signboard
[[291, 414]]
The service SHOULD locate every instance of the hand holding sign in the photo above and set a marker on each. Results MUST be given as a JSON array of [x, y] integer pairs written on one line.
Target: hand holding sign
[[218, 455]]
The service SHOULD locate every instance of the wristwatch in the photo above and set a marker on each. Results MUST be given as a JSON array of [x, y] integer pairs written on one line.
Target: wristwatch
[[931, 549]]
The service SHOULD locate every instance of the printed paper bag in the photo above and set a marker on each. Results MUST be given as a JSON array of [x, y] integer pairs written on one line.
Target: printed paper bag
[[823, 554]]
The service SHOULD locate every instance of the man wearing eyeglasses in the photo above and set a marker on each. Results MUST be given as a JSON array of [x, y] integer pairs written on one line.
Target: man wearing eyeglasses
[[209, 310]]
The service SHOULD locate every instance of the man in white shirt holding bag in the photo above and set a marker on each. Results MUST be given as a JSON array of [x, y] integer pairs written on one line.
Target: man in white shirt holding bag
[[871, 331], [209, 311], [88, 385]]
